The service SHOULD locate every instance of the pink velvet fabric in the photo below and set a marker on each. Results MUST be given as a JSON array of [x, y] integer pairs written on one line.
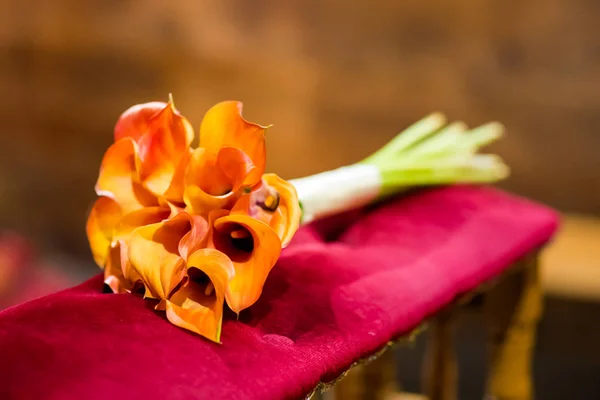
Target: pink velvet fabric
[[342, 290]]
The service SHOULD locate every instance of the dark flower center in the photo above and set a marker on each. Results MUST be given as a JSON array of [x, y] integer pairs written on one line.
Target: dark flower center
[[235, 241], [245, 244], [201, 280]]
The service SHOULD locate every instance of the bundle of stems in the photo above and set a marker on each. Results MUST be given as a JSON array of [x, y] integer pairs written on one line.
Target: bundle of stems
[[430, 152]]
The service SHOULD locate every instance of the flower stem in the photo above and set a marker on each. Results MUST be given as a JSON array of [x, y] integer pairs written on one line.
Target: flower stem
[[433, 154], [427, 153]]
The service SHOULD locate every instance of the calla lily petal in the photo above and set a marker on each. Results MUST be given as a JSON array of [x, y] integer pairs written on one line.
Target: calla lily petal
[[162, 148], [135, 121], [135, 219], [237, 167], [201, 203], [101, 222], [174, 207], [213, 182], [253, 247], [154, 255], [224, 126], [195, 238], [154, 251], [118, 273], [286, 220], [130, 275], [207, 187], [203, 171], [118, 178], [176, 189], [113, 272], [198, 304]]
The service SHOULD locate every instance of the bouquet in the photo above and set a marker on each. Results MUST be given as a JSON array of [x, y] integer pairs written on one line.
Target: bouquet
[[195, 228]]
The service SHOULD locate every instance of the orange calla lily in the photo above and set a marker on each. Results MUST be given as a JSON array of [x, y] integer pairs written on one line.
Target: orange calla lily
[[223, 126], [231, 157], [135, 121], [175, 191], [163, 136], [215, 181], [151, 148], [104, 216], [118, 178], [252, 246], [155, 251], [107, 229], [276, 204], [113, 270], [168, 259], [152, 141], [163, 147], [198, 304], [197, 227]]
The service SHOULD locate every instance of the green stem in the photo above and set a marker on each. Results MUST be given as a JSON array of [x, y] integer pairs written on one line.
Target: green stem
[[429, 153], [407, 138]]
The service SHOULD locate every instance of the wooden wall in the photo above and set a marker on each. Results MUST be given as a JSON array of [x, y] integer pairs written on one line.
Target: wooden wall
[[336, 78]]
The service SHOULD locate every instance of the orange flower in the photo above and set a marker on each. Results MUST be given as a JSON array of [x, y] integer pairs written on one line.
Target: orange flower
[[151, 141], [275, 203], [231, 158], [252, 246], [196, 227]]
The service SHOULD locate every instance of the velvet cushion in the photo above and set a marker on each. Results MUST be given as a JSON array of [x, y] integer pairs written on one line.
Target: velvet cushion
[[343, 289]]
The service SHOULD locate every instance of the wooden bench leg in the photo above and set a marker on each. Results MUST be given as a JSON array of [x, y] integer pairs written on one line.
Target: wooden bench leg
[[380, 376], [372, 381], [440, 371], [512, 311], [352, 386]]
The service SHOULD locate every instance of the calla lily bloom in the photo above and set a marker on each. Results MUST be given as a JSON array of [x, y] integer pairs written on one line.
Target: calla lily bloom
[[163, 137], [274, 203], [198, 304], [108, 231], [252, 246], [151, 141], [215, 181], [223, 126], [231, 158], [197, 227], [158, 251], [189, 281]]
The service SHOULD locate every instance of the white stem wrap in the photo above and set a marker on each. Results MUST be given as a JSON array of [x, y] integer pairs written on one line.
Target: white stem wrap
[[339, 190]]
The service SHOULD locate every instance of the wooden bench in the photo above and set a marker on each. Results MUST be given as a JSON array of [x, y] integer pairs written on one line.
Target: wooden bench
[[343, 291], [512, 309]]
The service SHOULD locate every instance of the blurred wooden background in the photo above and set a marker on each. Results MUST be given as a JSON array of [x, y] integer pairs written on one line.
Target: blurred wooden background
[[336, 78]]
